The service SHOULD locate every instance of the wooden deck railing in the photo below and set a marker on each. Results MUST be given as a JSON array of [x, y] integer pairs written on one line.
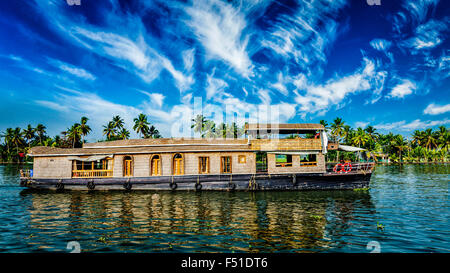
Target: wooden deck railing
[[356, 167], [286, 144], [91, 173]]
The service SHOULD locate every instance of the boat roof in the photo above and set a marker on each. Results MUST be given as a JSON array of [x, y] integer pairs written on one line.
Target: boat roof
[[283, 128], [144, 146]]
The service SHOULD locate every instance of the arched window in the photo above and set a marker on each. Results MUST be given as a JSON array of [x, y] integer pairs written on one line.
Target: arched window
[[127, 166], [178, 164], [155, 165]]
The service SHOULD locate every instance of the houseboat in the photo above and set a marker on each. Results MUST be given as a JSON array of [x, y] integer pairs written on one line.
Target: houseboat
[[265, 160]]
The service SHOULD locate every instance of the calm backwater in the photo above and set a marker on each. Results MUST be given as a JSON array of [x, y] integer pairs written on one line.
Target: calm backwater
[[410, 201]]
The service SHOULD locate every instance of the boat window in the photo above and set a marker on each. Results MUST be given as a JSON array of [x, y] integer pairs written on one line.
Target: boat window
[[178, 164], [308, 160], [203, 164], [225, 164], [242, 159], [100, 168], [155, 165], [283, 160]]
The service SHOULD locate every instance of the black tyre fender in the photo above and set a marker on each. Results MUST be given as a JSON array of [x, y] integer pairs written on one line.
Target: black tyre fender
[[231, 186], [198, 187], [60, 186], [127, 185], [173, 185], [91, 185]]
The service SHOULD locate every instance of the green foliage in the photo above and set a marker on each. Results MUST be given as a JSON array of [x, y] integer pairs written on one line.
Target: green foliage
[[423, 146]]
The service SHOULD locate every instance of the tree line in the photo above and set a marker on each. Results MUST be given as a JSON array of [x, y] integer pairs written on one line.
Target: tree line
[[15, 143], [425, 145]]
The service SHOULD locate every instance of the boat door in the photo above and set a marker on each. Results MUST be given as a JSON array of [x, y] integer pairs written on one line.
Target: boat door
[[261, 162], [178, 165], [127, 166]]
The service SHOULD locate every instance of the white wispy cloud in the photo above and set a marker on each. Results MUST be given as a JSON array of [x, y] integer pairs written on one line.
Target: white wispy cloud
[[318, 98], [305, 36], [434, 109], [215, 87], [156, 98], [220, 29], [74, 70], [410, 126], [426, 36], [380, 44], [406, 87]]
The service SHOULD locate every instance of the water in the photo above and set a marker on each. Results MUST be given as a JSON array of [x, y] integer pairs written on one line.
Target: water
[[411, 202]]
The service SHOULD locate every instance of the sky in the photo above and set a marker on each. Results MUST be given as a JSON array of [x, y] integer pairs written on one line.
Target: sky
[[386, 65]]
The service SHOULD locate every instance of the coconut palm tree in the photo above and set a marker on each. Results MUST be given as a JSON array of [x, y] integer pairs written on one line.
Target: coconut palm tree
[[210, 129], [16, 138], [198, 124], [118, 123], [41, 131], [109, 130], [360, 138], [29, 134], [400, 144], [417, 137], [74, 133], [84, 128], [221, 130], [152, 132], [347, 134], [429, 140], [337, 129], [141, 125], [370, 130], [124, 134]]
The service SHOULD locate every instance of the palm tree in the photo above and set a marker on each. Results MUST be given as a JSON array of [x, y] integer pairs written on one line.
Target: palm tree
[[118, 122], [400, 144], [337, 131], [221, 130], [16, 138], [210, 129], [109, 130], [29, 134], [370, 130], [74, 133], [360, 137], [84, 128], [325, 124], [40, 130], [124, 134], [198, 124], [152, 132], [141, 125], [347, 134], [417, 137], [442, 137], [429, 140]]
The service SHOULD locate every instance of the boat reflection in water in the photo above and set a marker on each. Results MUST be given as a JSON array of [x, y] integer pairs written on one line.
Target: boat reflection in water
[[194, 222]]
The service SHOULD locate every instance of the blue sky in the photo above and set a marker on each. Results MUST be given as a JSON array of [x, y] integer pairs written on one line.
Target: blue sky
[[386, 65]]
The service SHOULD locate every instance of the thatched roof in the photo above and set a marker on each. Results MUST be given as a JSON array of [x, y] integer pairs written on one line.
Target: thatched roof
[[283, 128], [143, 146]]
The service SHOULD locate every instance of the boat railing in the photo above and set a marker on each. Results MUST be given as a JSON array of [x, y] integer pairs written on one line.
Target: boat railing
[[350, 167], [26, 173], [91, 173]]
